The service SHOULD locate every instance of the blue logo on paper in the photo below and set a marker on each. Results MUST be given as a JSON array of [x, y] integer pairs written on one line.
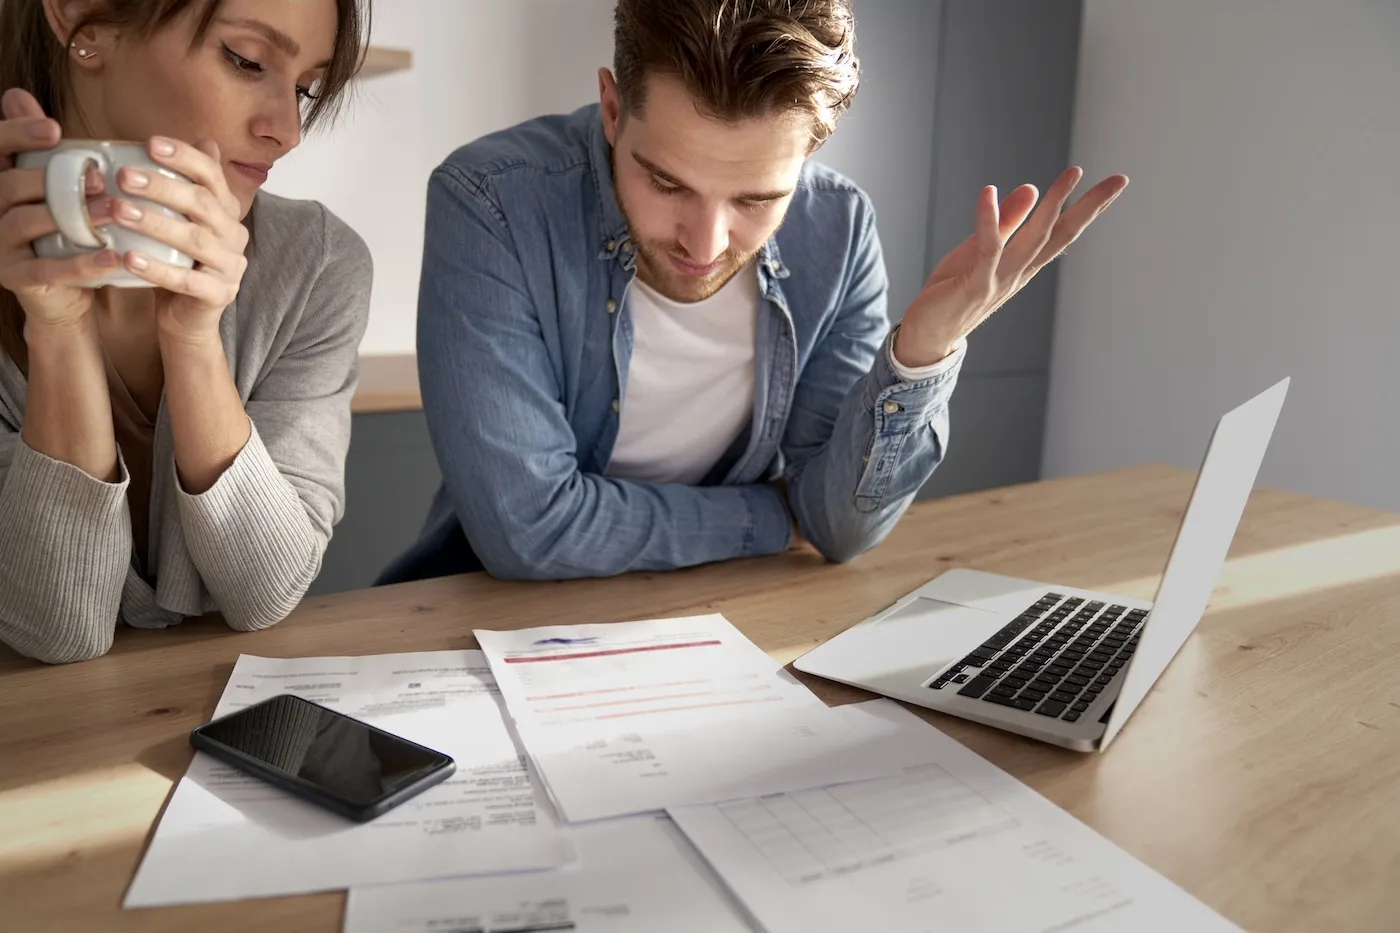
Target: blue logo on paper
[[565, 641]]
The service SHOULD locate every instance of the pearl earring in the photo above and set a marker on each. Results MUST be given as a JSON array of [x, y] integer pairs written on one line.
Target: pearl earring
[[82, 53]]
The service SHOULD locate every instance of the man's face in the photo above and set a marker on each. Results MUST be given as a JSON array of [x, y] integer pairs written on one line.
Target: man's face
[[700, 196]]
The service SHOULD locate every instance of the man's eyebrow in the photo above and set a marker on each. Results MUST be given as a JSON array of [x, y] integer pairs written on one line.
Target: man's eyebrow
[[666, 176], [279, 39]]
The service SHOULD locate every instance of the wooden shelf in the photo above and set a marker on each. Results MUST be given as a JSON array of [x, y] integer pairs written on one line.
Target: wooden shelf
[[387, 384], [382, 61]]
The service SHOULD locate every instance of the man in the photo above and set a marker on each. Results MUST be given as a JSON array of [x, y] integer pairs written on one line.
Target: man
[[653, 334]]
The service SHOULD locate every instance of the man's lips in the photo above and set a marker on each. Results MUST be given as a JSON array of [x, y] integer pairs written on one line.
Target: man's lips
[[685, 267]]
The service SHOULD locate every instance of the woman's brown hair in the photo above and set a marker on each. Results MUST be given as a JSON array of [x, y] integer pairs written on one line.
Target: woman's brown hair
[[33, 59]]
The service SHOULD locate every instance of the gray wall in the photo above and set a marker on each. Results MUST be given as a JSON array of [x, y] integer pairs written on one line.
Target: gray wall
[[1257, 240], [1002, 107]]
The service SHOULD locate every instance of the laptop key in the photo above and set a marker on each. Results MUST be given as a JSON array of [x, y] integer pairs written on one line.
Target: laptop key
[[1013, 681], [1081, 706], [959, 678], [1051, 708], [1103, 679], [1070, 716], [1064, 696], [1079, 680], [1013, 702], [1002, 690], [977, 686]]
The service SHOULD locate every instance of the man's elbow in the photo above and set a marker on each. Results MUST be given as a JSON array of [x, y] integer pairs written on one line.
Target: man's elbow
[[527, 566], [535, 554], [842, 550]]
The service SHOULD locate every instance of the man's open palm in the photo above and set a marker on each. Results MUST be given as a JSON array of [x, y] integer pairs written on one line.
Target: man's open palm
[[1003, 253]]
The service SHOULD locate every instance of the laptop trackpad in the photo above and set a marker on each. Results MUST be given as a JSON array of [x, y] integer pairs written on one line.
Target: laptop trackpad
[[914, 640]]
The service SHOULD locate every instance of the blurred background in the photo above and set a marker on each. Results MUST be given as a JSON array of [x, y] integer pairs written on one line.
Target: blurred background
[[1254, 242]]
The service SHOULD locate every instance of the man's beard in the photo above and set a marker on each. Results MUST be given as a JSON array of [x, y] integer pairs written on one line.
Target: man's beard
[[654, 267]]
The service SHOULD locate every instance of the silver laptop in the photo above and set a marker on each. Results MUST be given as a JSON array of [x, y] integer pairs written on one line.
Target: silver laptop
[[1055, 663]]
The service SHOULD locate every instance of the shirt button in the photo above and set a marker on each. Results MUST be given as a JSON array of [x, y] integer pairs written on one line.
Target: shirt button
[[612, 245], [615, 406], [612, 306], [891, 407]]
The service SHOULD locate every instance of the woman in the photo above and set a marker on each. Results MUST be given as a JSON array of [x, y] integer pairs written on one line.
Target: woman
[[174, 450]]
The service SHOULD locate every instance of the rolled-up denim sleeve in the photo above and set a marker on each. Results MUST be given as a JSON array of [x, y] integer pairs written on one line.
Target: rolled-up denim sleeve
[[862, 439], [498, 425]]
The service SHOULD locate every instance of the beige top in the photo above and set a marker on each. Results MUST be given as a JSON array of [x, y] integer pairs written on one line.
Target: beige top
[[251, 544], [136, 436]]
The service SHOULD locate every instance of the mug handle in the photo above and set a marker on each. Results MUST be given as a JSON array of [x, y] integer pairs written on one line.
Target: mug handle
[[65, 190]]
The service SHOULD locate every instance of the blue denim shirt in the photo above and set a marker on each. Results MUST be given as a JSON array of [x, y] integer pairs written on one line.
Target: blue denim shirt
[[524, 340]]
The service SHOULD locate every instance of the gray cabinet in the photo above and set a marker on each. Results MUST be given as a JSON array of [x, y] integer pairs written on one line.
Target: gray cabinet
[[390, 477]]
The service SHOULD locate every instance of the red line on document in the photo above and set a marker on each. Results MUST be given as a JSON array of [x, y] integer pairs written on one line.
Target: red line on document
[[599, 654]]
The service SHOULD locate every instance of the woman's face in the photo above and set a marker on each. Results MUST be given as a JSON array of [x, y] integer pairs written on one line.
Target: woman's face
[[245, 85]]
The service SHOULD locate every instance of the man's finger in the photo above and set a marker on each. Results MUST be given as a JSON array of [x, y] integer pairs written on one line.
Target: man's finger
[[1077, 219], [1031, 238]]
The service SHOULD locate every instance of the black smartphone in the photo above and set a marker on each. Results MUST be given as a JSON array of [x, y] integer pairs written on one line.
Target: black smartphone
[[328, 758]]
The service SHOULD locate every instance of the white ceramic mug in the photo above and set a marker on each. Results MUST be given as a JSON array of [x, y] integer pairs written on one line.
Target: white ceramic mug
[[65, 191]]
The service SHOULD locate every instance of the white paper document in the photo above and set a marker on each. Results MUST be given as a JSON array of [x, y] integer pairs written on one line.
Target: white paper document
[[228, 835], [633, 875], [952, 844], [634, 717]]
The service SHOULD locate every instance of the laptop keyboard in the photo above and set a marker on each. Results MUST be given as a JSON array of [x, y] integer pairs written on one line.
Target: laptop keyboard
[[1054, 659]]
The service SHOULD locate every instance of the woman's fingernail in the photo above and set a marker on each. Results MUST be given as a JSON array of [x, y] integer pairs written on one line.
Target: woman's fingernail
[[162, 146], [129, 211], [45, 130], [137, 261], [135, 178], [107, 258], [92, 180]]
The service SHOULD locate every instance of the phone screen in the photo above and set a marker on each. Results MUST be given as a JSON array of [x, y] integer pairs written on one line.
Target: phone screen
[[344, 757]]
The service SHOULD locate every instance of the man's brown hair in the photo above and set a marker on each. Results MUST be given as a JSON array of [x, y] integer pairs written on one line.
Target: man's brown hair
[[741, 58]]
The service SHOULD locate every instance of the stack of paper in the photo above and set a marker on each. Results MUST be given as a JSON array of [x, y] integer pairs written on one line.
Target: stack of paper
[[643, 776]]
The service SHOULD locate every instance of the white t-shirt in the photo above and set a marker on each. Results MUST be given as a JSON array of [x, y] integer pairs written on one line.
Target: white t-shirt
[[689, 383]]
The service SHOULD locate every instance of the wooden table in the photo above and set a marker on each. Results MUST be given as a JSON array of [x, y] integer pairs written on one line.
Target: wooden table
[[1262, 774]]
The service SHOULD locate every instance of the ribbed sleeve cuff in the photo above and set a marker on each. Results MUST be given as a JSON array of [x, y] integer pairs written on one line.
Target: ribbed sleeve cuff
[[65, 548]]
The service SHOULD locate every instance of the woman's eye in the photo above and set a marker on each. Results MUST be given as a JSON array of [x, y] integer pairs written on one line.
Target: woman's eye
[[239, 62]]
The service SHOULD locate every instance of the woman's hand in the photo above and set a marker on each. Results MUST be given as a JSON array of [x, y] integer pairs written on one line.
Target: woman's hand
[[192, 301], [43, 286]]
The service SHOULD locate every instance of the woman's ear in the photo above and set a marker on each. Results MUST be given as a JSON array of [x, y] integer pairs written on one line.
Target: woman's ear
[[84, 47]]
